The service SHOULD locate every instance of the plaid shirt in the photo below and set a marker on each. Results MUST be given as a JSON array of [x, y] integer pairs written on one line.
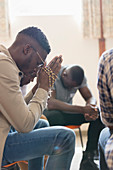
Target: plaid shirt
[[105, 87], [109, 153]]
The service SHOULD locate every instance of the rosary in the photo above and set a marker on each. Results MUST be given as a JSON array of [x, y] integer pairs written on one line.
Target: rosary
[[52, 76]]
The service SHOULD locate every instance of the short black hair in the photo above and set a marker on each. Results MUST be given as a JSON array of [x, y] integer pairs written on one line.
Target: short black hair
[[38, 35], [77, 74]]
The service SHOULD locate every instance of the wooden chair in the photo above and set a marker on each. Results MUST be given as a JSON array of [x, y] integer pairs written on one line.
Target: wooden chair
[[80, 133]]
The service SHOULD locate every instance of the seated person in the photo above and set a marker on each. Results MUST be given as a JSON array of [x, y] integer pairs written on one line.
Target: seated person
[[105, 88], [24, 164], [19, 64], [61, 111]]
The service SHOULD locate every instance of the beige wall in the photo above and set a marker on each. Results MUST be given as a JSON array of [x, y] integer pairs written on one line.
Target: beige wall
[[65, 37]]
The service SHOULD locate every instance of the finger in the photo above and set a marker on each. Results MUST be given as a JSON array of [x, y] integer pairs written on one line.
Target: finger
[[60, 58], [94, 117], [52, 69], [52, 62], [55, 62], [91, 116], [56, 68]]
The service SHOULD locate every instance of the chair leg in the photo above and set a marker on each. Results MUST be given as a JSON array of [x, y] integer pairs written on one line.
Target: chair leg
[[80, 133], [23, 166]]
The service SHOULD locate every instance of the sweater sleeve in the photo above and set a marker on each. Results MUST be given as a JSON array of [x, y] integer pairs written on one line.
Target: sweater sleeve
[[21, 116]]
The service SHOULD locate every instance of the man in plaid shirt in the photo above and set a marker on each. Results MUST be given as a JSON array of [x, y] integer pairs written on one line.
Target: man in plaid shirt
[[105, 87]]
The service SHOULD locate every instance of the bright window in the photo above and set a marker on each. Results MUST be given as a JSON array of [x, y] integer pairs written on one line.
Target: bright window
[[43, 7]]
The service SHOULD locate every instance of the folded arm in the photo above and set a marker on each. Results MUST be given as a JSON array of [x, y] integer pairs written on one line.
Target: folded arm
[[22, 116], [89, 110]]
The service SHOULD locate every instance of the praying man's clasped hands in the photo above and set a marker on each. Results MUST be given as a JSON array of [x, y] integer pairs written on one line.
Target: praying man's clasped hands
[[48, 73]]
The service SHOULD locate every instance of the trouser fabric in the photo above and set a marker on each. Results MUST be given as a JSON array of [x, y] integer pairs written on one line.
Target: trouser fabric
[[56, 118], [56, 142]]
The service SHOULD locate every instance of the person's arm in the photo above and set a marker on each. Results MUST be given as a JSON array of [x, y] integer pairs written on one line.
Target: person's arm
[[30, 94], [90, 100], [87, 95], [54, 104], [21, 116]]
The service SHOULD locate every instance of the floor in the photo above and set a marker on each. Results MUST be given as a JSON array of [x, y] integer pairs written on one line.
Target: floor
[[78, 150]]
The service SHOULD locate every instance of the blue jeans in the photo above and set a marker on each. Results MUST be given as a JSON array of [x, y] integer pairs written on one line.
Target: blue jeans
[[56, 142], [56, 117], [103, 138]]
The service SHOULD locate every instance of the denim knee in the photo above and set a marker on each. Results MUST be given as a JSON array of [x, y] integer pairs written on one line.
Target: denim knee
[[65, 141], [70, 137], [41, 124], [104, 136]]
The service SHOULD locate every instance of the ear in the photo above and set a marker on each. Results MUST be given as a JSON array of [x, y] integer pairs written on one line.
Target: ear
[[27, 49]]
